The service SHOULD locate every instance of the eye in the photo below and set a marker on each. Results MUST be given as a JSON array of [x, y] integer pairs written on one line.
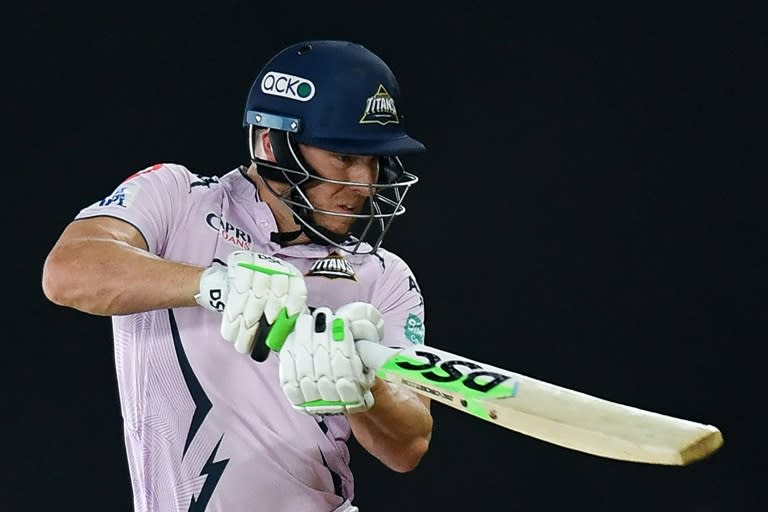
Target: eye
[[343, 158]]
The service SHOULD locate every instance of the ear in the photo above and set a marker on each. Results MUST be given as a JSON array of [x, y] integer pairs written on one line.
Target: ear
[[267, 145]]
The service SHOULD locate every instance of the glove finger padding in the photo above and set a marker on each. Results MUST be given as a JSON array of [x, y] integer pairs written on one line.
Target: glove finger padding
[[258, 286], [365, 321], [320, 370]]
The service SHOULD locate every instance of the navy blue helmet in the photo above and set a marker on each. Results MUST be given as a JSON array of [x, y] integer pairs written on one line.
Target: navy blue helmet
[[336, 95], [341, 97]]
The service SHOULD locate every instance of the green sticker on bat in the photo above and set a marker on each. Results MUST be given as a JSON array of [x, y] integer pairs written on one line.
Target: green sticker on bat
[[448, 375], [445, 380]]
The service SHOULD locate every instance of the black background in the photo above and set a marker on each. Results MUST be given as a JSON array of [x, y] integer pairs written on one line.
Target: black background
[[590, 213]]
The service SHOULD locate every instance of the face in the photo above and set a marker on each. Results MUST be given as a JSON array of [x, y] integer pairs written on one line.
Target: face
[[334, 197]]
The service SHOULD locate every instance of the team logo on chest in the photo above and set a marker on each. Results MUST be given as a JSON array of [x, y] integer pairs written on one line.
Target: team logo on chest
[[333, 266], [229, 232]]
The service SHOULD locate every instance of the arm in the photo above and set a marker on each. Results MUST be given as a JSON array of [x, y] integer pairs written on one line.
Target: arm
[[397, 429], [102, 266]]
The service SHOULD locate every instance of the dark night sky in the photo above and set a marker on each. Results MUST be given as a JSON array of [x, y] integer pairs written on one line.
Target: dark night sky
[[590, 213]]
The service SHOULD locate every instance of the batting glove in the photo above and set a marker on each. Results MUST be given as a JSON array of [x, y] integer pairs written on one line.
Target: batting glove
[[320, 370], [250, 291]]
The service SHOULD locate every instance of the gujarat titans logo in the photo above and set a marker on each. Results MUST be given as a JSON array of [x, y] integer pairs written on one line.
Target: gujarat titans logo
[[333, 266]]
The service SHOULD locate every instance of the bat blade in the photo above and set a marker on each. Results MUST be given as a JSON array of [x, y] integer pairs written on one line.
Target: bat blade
[[542, 410]]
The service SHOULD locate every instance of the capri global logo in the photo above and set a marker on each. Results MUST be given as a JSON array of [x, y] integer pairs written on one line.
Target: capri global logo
[[287, 86]]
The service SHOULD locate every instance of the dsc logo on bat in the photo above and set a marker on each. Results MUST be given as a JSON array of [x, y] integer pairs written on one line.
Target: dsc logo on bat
[[437, 370]]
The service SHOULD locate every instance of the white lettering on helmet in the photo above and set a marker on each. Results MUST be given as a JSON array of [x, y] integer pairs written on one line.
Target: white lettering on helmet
[[287, 86]]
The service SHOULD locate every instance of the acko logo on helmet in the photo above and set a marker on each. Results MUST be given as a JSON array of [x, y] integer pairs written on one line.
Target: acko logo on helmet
[[287, 86]]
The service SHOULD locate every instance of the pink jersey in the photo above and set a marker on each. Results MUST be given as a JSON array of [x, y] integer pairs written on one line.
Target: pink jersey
[[208, 428]]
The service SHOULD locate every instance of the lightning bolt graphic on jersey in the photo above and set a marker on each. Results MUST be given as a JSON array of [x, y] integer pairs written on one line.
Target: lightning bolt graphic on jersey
[[212, 471]]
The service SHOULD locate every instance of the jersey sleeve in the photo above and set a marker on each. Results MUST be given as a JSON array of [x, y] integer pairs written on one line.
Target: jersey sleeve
[[152, 200], [400, 301]]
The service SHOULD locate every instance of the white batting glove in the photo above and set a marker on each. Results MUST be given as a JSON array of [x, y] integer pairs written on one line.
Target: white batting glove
[[320, 370], [252, 289]]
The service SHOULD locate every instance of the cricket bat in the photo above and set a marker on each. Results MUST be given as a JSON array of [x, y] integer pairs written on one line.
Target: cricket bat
[[538, 409]]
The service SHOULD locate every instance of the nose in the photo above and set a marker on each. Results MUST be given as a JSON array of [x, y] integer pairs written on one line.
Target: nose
[[363, 174]]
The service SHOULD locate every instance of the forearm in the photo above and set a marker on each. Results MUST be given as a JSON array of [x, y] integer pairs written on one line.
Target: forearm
[[105, 276], [397, 429]]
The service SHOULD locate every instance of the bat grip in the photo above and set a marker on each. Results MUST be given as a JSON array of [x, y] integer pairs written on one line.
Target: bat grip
[[271, 337], [260, 350]]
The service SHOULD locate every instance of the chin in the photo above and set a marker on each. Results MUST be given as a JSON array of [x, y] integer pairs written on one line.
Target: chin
[[337, 229], [334, 224], [340, 232]]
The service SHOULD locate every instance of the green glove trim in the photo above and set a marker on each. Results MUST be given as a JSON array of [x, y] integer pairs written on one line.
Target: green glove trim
[[337, 329], [264, 270], [324, 403], [280, 330]]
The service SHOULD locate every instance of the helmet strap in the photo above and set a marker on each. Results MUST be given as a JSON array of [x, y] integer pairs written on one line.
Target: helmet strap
[[282, 238]]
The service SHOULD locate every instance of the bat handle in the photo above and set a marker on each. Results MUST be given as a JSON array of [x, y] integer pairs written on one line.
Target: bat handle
[[374, 355], [260, 349], [271, 337]]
